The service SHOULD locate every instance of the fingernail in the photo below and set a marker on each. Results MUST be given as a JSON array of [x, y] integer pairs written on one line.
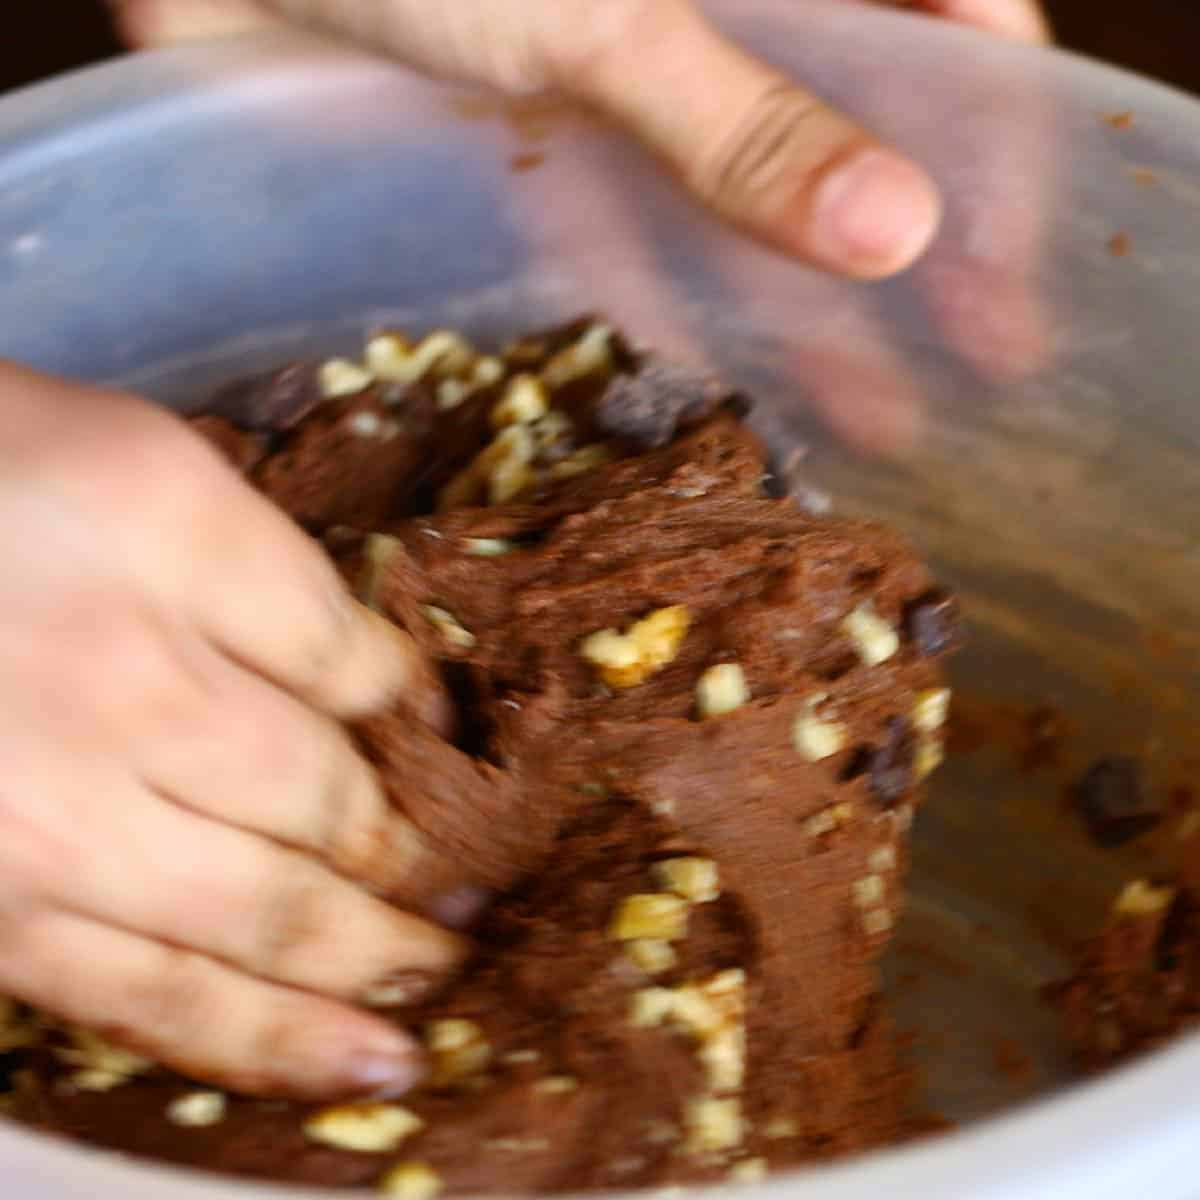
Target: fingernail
[[399, 989], [392, 662], [460, 908], [389, 1067], [873, 215]]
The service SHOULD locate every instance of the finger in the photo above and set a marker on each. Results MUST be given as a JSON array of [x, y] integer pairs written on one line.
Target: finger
[[477, 832], [201, 1018], [167, 516], [985, 281], [749, 142], [1020, 20], [278, 768], [161, 22], [752, 144], [627, 283], [840, 362], [157, 870]]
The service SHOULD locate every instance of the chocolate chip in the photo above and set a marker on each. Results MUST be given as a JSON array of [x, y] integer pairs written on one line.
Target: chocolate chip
[[931, 622], [890, 773], [889, 768], [775, 481], [648, 408], [739, 404], [1113, 802], [276, 401]]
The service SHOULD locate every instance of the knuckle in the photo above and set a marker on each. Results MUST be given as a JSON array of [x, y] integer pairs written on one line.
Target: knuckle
[[274, 742], [173, 1002], [581, 46], [324, 644], [131, 678], [773, 139], [352, 827], [293, 921]]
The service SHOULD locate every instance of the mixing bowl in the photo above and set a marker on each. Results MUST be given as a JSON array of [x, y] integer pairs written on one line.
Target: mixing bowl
[[1021, 404]]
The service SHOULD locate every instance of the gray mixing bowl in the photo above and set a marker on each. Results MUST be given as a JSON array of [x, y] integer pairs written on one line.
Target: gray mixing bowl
[[1022, 404]]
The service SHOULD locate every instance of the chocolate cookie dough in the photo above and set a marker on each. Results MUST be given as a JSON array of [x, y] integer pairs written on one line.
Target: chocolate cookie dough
[[693, 728], [1137, 983]]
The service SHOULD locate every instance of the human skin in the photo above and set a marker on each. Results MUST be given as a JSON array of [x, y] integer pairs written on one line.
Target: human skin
[[193, 855]]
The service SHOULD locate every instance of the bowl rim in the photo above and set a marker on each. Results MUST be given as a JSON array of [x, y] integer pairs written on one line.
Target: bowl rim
[[1133, 1127]]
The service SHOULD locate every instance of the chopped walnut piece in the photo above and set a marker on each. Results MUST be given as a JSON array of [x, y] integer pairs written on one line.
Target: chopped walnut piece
[[713, 1013], [411, 1181], [451, 393], [521, 1056], [724, 1057], [749, 1170], [650, 915], [868, 891], [369, 1127], [816, 739], [627, 659], [552, 431], [705, 1008], [341, 377], [651, 1006], [489, 547], [366, 425], [442, 353], [504, 465], [524, 402], [95, 1080], [1142, 899], [458, 1048], [583, 460], [930, 709], [487, 371], [388, 356], [781, 1127], [695, 879], [448, 626], [556, 1085], [874, 639], [103, 1066], [721, 689], [876, 921], [928, 756], [820, 824], [378, 550], [882, 859], [651, 955], [197, 1109], [713, 1125], [591, 353]]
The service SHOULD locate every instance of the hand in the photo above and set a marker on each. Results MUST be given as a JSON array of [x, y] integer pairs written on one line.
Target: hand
[[755, 146], [184, 825]]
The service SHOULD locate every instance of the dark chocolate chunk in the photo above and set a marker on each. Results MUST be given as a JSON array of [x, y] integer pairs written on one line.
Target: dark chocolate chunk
[[890, 771], [1113, 802], [648, 408], [931, 622], [739, 404], [276, 401], [775, 482], [889, 768]]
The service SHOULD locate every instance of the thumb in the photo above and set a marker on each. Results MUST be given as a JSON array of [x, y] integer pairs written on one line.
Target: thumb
[[162, 22], [761, 150]]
